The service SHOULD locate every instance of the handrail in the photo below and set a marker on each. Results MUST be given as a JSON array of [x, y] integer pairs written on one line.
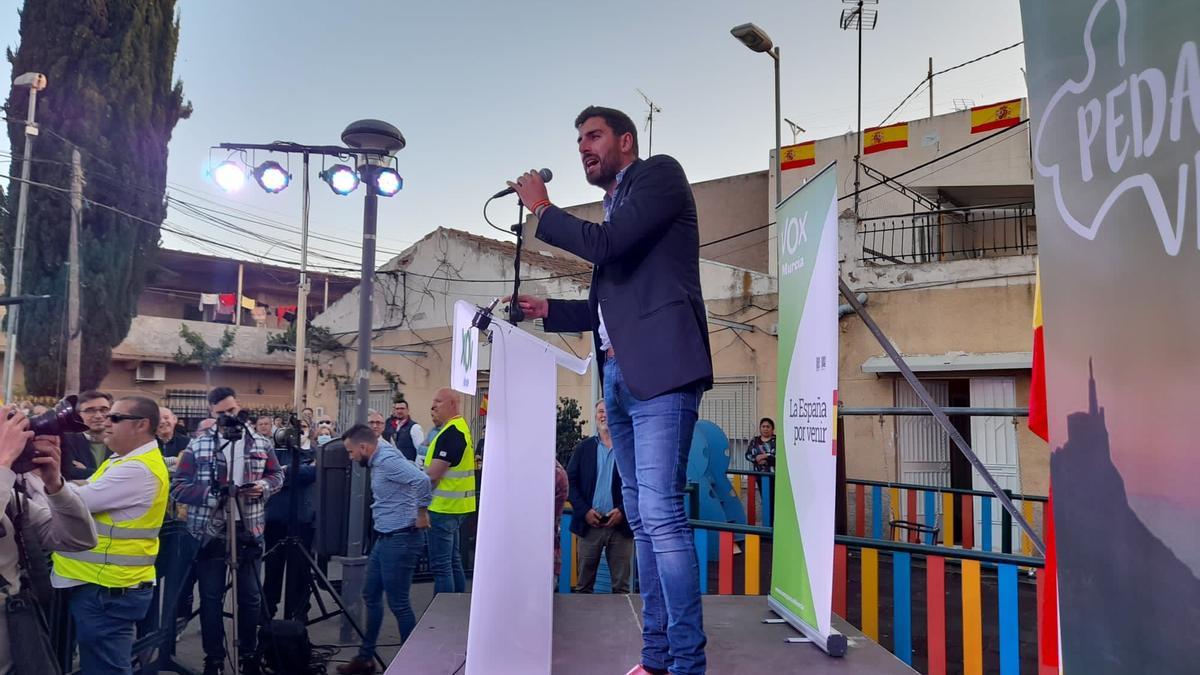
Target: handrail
[[1015, 206], [884, 545], [922, 410], [934, 488]]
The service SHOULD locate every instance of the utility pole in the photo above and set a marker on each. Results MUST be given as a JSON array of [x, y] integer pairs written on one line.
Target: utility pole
[[930, 76], [35, 82], [73, 332]]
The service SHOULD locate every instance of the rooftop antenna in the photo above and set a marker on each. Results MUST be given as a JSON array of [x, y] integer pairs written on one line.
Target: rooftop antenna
[[796, 130], [649, 128]]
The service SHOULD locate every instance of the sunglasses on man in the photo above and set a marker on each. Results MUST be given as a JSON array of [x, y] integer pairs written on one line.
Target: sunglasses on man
[[117, 418]]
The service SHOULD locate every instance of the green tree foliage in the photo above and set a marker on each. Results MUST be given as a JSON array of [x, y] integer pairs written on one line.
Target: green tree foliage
[[568, 429], [111, 91], [207, 357]]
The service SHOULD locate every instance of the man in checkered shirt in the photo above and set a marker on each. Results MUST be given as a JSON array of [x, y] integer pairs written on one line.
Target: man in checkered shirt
[[200, 479]]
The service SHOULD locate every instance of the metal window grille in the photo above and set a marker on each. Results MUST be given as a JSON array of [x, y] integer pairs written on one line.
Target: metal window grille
[[732, 404], [949, 234]]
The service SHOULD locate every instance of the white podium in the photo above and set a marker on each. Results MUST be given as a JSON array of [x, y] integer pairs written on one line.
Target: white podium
[[511, 621]]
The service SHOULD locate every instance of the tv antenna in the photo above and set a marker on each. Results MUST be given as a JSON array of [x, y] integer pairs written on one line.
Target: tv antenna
[[796, 130], [649, 128]]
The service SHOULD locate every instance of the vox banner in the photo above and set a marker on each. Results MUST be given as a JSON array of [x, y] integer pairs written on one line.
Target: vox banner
[[806, 463]]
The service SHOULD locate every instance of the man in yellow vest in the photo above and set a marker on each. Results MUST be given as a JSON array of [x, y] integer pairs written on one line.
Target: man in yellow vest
[[112, 584], [450, 465]]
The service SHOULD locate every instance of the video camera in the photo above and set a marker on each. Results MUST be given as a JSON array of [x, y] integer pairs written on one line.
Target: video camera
[[63, 418], [231, 427], [288, 435]]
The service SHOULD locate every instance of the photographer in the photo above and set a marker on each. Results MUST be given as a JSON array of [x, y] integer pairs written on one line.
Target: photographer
[[113, 583], [230, 462], [55, 517]]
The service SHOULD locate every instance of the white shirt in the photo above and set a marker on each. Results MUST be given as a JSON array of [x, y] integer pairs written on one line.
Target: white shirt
[[418, 437], [125, 491]]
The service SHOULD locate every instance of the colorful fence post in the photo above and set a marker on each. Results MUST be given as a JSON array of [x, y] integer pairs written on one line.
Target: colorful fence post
[[896, 514], [972, 619], [1010, 646], [702, 557], [902, 607], [948, 518], [876, 512], [931, 515], [985, 516], [765, 489], [870, 593], [913, 537], [935, 613], [750, 506], [839, 580], [968, 521], [567, 552], [752, 545], [1026, 542], [725, 564], [860, 510]]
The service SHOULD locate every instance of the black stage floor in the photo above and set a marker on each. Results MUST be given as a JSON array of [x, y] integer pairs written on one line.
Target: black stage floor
[[601, 635]]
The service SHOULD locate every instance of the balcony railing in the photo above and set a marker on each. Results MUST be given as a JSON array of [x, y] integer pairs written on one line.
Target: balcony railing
[[949, 234]]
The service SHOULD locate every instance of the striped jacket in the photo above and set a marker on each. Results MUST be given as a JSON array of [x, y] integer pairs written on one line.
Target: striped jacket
[[201, 466]]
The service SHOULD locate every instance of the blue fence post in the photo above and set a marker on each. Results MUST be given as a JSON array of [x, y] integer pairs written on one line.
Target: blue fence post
[[877, 512], [931, 516], [765, 490], [702, 558], [1010, 646], [985, 514], [902, 607], [564, 575]]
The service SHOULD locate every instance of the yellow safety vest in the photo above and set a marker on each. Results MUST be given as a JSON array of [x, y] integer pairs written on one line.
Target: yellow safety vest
[[125, 551], [455, 492]]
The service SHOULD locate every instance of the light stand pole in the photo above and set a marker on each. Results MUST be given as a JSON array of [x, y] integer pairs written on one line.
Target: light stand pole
[[302, 299], [35, 82], [757, 40]]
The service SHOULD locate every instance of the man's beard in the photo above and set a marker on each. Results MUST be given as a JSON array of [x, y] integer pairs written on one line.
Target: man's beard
[[364, 462], [605, 174]]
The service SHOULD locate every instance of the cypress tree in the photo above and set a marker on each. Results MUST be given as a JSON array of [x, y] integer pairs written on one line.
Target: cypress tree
[[111, 90]]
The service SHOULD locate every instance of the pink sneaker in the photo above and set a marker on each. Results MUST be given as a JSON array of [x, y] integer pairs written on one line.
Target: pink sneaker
[[639, 670]]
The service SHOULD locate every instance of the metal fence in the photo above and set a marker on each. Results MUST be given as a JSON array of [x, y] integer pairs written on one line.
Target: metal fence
[[949, 234], [732, 404]]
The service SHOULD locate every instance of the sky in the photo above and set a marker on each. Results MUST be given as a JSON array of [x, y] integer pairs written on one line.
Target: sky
[[483, 91]]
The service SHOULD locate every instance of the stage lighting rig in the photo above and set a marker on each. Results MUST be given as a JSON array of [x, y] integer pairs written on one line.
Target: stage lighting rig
[[388, 182], [341, 178], [230, 175], [272, 177]]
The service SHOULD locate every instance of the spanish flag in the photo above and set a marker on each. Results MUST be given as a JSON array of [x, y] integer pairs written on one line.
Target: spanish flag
[[1047, 595], [995, 116], [797, 156], [483, 406], [890, 137]]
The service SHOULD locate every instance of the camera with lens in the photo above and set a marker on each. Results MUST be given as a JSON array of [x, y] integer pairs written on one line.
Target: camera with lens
[[63, 418], [288, 435], [231, 427]]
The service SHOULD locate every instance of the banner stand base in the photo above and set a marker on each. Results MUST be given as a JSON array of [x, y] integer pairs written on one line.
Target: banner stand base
[[834, 645]]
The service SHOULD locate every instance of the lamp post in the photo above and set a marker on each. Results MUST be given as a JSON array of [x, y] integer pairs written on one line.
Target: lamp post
[[756, 39], [35, 82]]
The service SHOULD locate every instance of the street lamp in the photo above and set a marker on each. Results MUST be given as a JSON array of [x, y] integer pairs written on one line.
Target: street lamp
[[756, 39], [34, 82]]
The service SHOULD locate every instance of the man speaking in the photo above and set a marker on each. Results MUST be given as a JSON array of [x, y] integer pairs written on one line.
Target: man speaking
[[648, 321]]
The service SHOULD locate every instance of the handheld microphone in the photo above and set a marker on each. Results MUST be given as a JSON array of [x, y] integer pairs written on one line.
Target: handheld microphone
[[544, 173]]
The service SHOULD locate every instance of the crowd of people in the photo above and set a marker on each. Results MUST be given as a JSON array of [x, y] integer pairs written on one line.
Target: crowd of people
[[99, 500]]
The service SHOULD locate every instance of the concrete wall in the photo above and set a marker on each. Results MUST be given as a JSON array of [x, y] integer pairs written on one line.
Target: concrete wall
[[275, 385]]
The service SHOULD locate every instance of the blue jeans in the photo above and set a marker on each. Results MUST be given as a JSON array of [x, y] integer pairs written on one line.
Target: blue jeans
[[104, 627], [651, 441], [390, 569], [445, 560], [211, 573]]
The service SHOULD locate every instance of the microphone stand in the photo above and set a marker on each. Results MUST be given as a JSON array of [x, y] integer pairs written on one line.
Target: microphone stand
[[515, 315]]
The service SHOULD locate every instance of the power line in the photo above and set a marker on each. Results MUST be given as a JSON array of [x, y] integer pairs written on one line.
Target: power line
[[943, 72]]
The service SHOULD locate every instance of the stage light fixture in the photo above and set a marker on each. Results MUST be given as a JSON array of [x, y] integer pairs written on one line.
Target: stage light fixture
[[229, 175], [341, 179], [272, 177], [388, 182]]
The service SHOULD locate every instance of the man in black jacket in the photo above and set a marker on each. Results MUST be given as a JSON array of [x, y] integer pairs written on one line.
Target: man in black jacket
[[650, 330], [599, 520], [83, 452]]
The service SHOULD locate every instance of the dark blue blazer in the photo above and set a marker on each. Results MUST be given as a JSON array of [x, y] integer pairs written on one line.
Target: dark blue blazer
[[646, 278], [581, 479]]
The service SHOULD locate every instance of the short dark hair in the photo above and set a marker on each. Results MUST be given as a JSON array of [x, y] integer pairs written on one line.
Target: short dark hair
[[219, 394], [768, 420], [143, 407], [616, 120], [359, 433], [93, 394]]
